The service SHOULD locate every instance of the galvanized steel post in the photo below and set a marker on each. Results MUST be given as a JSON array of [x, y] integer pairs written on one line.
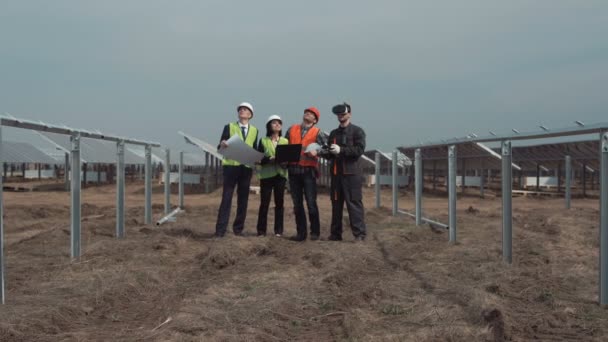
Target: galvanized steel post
[[538, 177], [167, 181], [395, 186], [482, 179], [452, 160], [507, 212], [75, 196], [418, 162], [66, 175], [181, 179], [1, 225], [463, 175], [377, 179], [148, 186], [568, 194], [604, 220], [584, 179], [120, 189], [434, 175], [207, 173]]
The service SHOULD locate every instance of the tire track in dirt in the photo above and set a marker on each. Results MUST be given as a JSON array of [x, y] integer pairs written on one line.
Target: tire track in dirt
[[395, 265], [493, 317]]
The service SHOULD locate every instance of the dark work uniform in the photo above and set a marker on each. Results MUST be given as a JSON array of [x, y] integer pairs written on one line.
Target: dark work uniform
[[347, 180], [239, 177]]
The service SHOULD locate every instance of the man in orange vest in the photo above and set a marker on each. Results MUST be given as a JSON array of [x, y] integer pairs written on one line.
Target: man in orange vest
[[303, 175]]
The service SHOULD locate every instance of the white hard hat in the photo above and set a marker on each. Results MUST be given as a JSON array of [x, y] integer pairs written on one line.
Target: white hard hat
[[246, 105], [274, 117]]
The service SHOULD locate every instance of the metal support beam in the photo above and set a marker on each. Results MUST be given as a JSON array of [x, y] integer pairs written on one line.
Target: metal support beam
[[568, 194], [75, 197], [66, 170], [148, 186], [377, 175], [2, 285], [481, 181], [167, 181], [181, 180], [434, 175], [559, 178], [452, 160], [85, 168], [44, 127], [395, 186], [418, 174], [507, 212], [120, 189], [464, 174], [584, 179], [604, 220], [537, 177], [208, 173], [170, 217], [425, 220]]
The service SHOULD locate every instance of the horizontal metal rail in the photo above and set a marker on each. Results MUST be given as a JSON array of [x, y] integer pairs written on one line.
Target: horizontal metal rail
[[424, 219], [569, 131], [169, 216], [44, 127]]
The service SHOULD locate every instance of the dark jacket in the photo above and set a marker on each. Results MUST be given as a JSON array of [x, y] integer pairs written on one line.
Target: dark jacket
[[351, 140], [226, 136]]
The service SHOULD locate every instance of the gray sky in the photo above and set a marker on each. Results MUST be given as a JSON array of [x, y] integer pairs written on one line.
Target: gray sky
[[410, 69]]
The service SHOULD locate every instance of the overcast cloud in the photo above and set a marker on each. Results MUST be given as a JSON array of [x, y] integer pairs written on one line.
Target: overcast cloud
[[412, 70]]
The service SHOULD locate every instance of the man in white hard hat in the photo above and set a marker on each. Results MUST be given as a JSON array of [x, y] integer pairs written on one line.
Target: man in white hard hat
[[236, 175]]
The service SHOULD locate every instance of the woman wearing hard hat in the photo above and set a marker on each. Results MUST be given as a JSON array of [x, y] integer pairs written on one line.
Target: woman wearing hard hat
[[272, 175], [236, 175]]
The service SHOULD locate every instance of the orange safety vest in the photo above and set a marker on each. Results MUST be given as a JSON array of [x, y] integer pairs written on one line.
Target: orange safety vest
[[295, 137]]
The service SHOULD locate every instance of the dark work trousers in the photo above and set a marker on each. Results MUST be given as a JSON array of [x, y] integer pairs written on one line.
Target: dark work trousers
[[239, 177], [267, 186], [347, 188], [305, 186]]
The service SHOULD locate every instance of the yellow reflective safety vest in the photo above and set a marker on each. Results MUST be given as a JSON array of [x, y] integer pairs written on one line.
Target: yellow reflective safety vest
[[272, 169], [252, 134]]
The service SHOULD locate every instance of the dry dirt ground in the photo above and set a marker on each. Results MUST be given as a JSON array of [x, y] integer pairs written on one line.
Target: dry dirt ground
[[405, 283]]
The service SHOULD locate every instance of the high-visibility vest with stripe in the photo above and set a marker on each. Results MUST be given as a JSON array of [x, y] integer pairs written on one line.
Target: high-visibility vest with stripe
[[295, 137], [272, 169], [252, 134]]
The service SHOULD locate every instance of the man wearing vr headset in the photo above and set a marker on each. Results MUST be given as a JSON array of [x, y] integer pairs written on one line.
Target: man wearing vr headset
[[347, 145]]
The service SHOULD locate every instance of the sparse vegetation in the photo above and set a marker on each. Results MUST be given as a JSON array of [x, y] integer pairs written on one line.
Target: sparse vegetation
[[405, 283]]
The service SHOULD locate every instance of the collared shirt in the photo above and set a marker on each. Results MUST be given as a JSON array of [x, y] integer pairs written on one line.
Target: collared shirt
[[304, 130], [226, 135], [246, 127]]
